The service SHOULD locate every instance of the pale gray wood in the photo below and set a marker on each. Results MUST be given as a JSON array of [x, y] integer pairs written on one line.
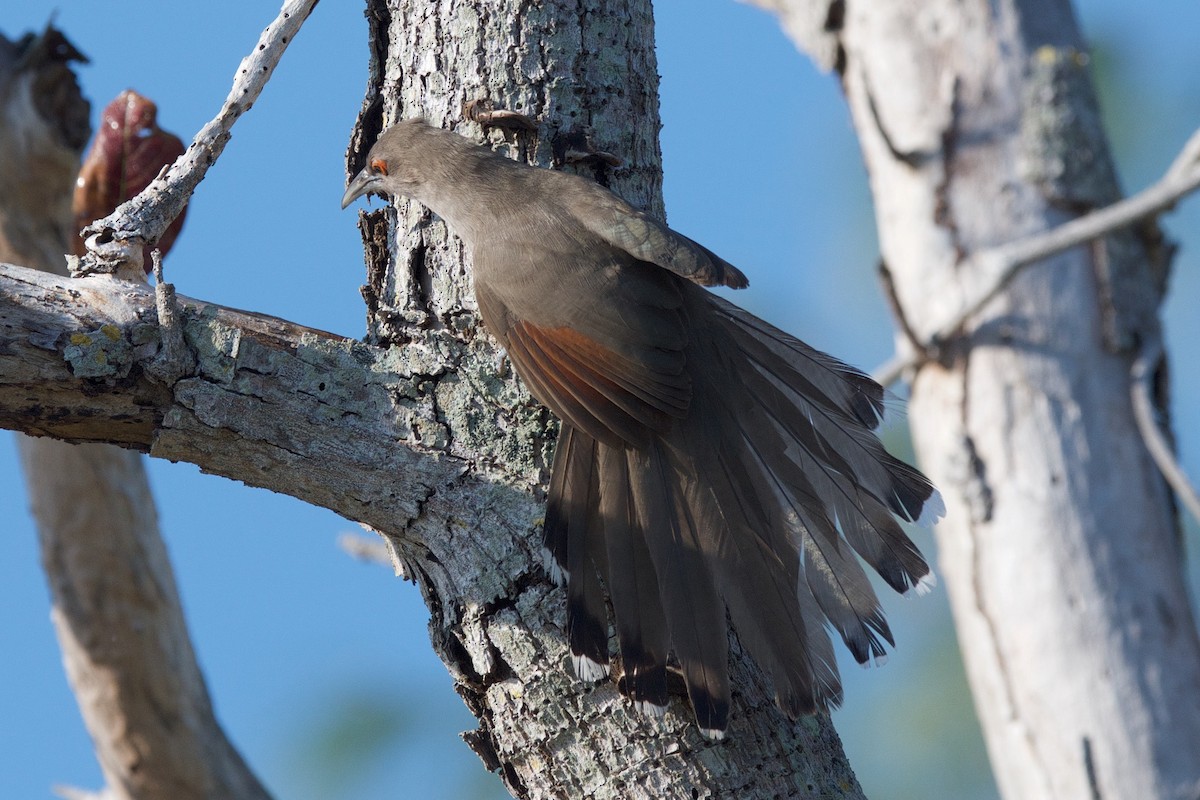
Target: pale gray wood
[[1060, 548]]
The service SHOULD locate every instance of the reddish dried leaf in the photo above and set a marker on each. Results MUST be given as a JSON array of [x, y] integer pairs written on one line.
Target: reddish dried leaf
[[128, 152]]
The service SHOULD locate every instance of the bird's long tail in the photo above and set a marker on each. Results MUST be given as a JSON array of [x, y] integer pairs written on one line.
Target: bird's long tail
[[756, 503]]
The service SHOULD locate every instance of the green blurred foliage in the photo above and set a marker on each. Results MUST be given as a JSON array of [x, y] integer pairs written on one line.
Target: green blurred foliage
[[348, 732]]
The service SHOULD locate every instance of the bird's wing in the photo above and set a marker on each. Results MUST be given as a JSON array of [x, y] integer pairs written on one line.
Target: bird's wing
[[599, 341], [645, 238]]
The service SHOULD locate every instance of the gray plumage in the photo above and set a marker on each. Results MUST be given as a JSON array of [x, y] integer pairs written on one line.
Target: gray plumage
[[708, 462]]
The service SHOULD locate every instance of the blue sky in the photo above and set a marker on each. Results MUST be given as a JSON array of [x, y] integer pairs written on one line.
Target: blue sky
[[761, 166]]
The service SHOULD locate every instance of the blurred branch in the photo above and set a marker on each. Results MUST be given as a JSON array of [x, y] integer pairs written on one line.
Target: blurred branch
[[1145, 367], [117, 239], [116, 609], [371, 550], [74, 793], [1007, 260]]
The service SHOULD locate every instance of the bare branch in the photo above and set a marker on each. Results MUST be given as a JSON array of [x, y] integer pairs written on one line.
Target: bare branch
[[1141, 388], [116, 609], [120, 624], [118, 238], [362, 548], [75, 793], [265, 403], [1007, 261]]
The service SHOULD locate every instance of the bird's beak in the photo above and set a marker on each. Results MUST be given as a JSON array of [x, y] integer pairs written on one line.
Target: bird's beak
[[363, 183]]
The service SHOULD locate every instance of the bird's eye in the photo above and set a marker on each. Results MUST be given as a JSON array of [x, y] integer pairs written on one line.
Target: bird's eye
[[379, 166]]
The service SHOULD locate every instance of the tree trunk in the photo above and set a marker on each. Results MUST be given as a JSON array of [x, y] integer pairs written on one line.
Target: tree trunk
[[585, 73], [1061, 550]]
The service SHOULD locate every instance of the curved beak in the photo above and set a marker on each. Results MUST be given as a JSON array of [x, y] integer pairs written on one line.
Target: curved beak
[[363, 183]]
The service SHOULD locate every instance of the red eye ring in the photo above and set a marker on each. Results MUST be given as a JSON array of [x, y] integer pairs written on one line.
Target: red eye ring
[[380, 166]]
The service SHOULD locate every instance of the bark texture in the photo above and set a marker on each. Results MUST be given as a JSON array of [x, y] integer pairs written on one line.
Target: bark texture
[[584, 71], [116, 609], [978, 123], [318, 417]]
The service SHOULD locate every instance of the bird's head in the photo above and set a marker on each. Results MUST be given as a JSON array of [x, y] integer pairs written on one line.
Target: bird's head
[[406, 158], [388, 169]]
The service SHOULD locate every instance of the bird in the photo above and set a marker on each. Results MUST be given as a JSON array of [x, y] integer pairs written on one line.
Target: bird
[[710, 469]]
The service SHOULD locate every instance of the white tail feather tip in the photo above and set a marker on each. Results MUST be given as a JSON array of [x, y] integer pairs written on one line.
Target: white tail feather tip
[[650, 709], [925, 585], [557, 573], [712, 734], [587, 669], [933, 510]]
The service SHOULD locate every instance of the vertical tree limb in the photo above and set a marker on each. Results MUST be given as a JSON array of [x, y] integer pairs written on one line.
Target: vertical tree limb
[[979, 126], [116, 609]]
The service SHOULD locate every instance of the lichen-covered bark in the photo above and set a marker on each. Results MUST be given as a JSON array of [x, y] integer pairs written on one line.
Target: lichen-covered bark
[[1060, 548], [318, 417], [583, 70]]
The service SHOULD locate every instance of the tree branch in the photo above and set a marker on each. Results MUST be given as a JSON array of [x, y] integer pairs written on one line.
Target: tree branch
[[121, 629], [1006, 261], [266, 403], [116, 608], [1142, 377], [117, 239]]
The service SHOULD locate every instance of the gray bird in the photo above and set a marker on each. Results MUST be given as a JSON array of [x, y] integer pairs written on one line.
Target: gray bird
[[707, 462]]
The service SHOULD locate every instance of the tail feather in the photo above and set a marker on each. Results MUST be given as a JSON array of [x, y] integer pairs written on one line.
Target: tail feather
[[833, 576], [878, 538], [756, 502], [818, 376], [758, 583], [841, 476], [574, 549], [844, 594], [564, 498], [790, 473], [634, 586], [818, 645], [835, 445], [694, 610], [856, 488], [833, 390]]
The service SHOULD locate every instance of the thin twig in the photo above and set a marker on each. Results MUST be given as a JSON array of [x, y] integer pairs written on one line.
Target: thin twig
[[1007, 261], [1142, 391], [1187, 160], [891, 370], [143, 219], [174, 359], [1180, 179]]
